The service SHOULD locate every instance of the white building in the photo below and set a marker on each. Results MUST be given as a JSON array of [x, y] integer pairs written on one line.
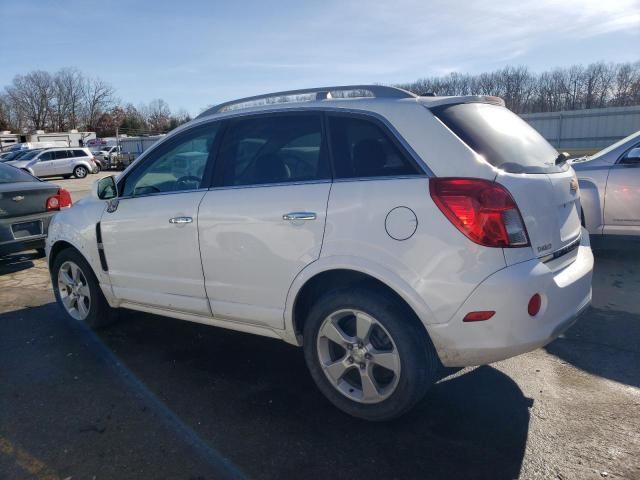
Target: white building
[[72, 138]]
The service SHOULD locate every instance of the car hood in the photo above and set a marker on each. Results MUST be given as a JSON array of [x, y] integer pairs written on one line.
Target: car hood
[[19, 163]]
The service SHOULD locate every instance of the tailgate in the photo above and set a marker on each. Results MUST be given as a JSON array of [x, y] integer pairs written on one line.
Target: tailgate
[[550, 207]]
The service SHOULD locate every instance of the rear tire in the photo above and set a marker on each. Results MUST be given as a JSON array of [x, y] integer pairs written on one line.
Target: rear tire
[[80, 171], [77, 290], [377, 375]]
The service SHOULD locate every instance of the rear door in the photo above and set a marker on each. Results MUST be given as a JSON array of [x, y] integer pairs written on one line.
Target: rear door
[[62, 161], [263, 221]]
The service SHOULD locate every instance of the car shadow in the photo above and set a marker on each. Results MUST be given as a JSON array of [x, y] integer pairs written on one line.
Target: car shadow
[[605, 343], [16, 262], [606, 339], [252, 399]]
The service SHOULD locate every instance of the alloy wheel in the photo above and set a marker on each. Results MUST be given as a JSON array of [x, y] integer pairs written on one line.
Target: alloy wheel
[[74, 290], [358, 356]]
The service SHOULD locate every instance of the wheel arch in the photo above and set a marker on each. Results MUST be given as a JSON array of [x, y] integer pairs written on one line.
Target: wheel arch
[[340, 272]]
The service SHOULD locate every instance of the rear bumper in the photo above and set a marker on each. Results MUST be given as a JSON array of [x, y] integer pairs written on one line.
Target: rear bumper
[[566, 293], [10, 244]]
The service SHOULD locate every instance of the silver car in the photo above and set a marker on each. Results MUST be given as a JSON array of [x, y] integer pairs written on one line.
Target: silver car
[[58, 162], [610, 188]]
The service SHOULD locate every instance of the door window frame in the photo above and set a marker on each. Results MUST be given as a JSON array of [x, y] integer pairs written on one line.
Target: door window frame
[[217, 181], [619, 161], [391, 135], [165, 146]]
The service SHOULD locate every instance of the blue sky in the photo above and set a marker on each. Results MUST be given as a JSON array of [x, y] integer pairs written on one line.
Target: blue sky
[[197, 53]]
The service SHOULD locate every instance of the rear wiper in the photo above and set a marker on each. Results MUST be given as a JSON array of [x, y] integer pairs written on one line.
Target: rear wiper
[[562, 158]]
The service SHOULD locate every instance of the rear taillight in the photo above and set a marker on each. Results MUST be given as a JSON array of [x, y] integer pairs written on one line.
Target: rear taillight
[[62, 199], [482, 210]]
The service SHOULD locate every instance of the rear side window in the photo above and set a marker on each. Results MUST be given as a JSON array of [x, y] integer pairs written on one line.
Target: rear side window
[[60, 154], [504, 140], [273, 149], [79, 153], [361, 148]]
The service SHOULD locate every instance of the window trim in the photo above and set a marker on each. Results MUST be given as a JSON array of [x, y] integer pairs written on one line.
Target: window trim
[[627, 150], [392, 135], [163, 147], [218, 179]]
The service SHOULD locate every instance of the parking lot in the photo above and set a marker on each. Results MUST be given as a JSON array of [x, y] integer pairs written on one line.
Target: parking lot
[[152, 397]]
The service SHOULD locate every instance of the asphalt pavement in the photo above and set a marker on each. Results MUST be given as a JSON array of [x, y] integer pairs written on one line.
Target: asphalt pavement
[[155, 398]]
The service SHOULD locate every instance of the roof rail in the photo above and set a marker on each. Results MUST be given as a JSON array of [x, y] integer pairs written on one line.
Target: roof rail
[[322, 93]]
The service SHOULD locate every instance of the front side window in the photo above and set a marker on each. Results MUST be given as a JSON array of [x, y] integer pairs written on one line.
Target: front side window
[[274, 149], [45, 157], [361, 148], [178, 166]]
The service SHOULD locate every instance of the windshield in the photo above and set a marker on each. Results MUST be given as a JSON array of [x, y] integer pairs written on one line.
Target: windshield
[[28, 155], [10, 156], [505, 140], [619, 143], [9, 174]]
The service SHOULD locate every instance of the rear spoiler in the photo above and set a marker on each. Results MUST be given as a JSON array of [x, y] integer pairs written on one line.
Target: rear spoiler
[[432, 102]]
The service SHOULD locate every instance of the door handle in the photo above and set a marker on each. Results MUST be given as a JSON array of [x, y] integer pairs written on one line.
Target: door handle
[[180, 220], [299, 216]]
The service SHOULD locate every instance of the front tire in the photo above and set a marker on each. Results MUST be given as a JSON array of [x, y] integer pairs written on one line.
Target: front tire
[[368, 354], [80, 171], [77, 290]]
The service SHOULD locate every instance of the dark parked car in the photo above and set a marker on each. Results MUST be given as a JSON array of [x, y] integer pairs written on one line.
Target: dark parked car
[[26, 207]]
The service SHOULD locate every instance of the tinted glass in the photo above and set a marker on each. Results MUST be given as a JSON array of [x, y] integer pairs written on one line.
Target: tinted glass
[[44, 157], [361, 148], [501, 137], [178, 166], [28, 155], [78, 153], [9, 174], [274, 149], [60, 154]]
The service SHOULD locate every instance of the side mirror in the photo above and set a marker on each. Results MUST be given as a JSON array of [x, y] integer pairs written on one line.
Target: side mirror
[[633, 156], [105, 188]]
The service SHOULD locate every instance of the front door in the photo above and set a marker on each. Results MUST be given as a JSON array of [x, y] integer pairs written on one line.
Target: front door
[[622, 197], [46, 164], [151, 239], [264, 220]]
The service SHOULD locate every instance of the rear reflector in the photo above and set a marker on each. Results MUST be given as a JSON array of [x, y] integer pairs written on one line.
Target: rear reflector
[[478, 316], [484, 211], [62, 199], [534, 305]]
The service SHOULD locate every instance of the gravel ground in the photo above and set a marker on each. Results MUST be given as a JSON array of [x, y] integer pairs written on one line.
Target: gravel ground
[[154, 398]]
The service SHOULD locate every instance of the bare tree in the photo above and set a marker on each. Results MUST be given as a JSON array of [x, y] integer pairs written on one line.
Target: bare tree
[[158, 115], [31, 96], [98, 98], [69, 98]]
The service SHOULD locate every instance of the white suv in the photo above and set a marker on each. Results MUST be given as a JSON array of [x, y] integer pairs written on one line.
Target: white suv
[[387, 234]]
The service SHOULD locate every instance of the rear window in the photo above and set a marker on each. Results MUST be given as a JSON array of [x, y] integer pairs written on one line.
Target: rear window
[[505, 140], [9, 174]]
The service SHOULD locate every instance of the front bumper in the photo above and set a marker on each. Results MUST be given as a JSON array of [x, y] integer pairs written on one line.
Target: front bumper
[[565, 292]]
